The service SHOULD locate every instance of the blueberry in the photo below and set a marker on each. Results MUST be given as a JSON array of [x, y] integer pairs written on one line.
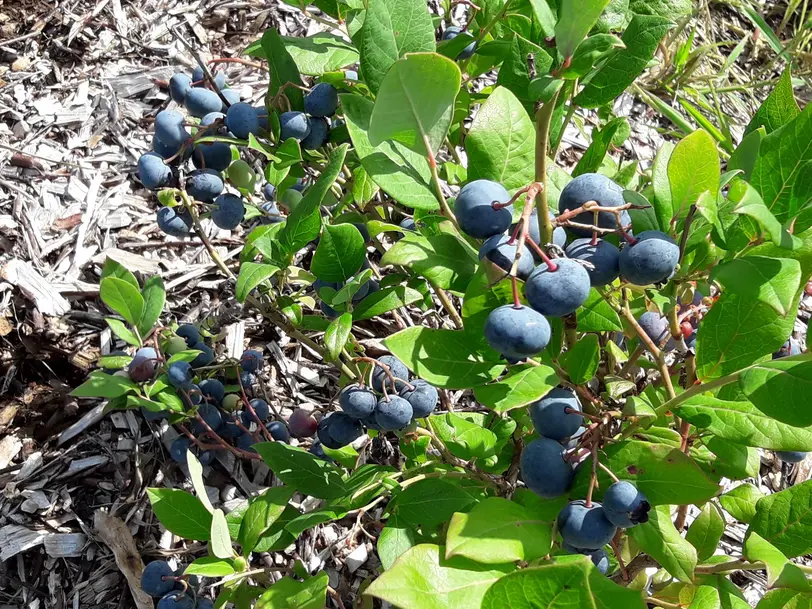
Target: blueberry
[[322, 100], [251, 360], [550, 417], [189, 333], [791, 347], [592, 187], [323, 433], [357, 402], [241, 119], [269, 192], [475, 212], [559, 234], [396, 368], [178, 449], [198, 76], [600, 559], [302, 424], [625, 506], [603, 256], [169, 128], [214, 155], [174, 221], [422, 396], [451, 32], [790, 456], [199, 102], [211, 415], [229, 429], [544, 470], [260, 407], [204, 185], [179, 86], [180, 375], [293, 125], [248, 380], [233, 98], [319, 130], [517, 332], [652, 258], [210, 119], [318, 450], [408, 224], [152, 171], [214, 389], [176, 600], [502, 253], [278, 431], [343, 429], [393, 413], [262, 116], [328, 311], [205, 357], [206, 457], [560, 292], [656, 327], [165, 151], [228, 211], [274, 216], [152, 578], [205, 603], [143, 365], [246, 442], [195, 396], [585, 528]]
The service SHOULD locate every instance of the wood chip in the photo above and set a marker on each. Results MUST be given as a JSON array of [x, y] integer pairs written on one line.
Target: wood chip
[[115, 534], [34, 287], [64, 545], [15, 539]]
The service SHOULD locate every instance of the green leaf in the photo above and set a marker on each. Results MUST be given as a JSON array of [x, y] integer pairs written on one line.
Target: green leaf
[[463, 438], [196, 474], [302, 471], [322, 52], [307, 521], [402, 174], [442, 259], [692, 169], [742, 423], [392, 28], [501, 142], [220, 539], [498, 531], [415, 103], [154, 295], [337, 334], [784, 519], [589, 53], [773, 281], [123, 298], [102, 385], [706, 531], [522, 386], [778, 109], [781, 175], [363, 188], [780, 389], [282, 69], [785, 599], [383, 301], [288, 593], [251, 275], [340, 253], [431, 502], [393, 541], [595, 315], [661, 472], [444, 358], [593, 158], [515, 73], [625, 65], [664, 8], [545, 16], [113, 268], [561, 583], [749, 203], [210, 566], [661, 185], [780, 572], [181, 513], [736, 333], [582, 360], [482, 297], [423, 579], [745, 155], [741, 501], [659, 539], [122, 331], [263, 511], [575, 19]]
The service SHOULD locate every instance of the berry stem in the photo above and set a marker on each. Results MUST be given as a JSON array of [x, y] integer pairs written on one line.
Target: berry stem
[[609, 472], [524, 224], [517, 303], [438, 190], [244, 62], [247, 404], [616, 548], [552, 266]]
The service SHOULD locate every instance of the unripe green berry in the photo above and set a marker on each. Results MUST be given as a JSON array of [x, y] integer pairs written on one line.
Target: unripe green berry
[[174, 345], [241, 175], [230, 402]]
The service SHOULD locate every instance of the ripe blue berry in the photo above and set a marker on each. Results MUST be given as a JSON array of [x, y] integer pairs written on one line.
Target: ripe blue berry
[[248, 380], [143, 365], [343, 429], [560, 292], [422, 396], [174, 221], [393, 413], [228, 211], [585, 528], [603, 256], [179, 86], [357, 402], [550, 416], [206, 457], [211, 415], [204, 185], [261, 407], [152, 578], [451, 32], [293, 125], [241, 120], [656, 327], [544, 470], [251, 360], [322, 100], [152, 171], [180, 375], [233, 97], [200, 101], [475, 212], [262, 116], [189, 333], [269, 192], [205, 603], [176, 600], [214, 155], [178, 449], [396, 368], [318, 450], [319, 130], [246, 442], [229, 428], [559, 234], [206, 355], [517, 332], [214, 389], [278, 431], [502, 253], [169, 128], [323, 432], [408, 224], [274, 216], [592, 187], [625, 506], [790, 456], [652, 258]]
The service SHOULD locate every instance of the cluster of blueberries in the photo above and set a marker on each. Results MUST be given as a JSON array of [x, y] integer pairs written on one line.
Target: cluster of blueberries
[[546, 470], [558, 286], [393, 402], [172, 589]]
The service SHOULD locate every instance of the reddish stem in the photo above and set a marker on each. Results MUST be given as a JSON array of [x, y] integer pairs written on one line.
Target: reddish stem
[[517, 303], [552, 266]]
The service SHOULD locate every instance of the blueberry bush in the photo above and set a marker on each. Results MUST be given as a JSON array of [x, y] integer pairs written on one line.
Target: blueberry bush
[[599, 351]]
